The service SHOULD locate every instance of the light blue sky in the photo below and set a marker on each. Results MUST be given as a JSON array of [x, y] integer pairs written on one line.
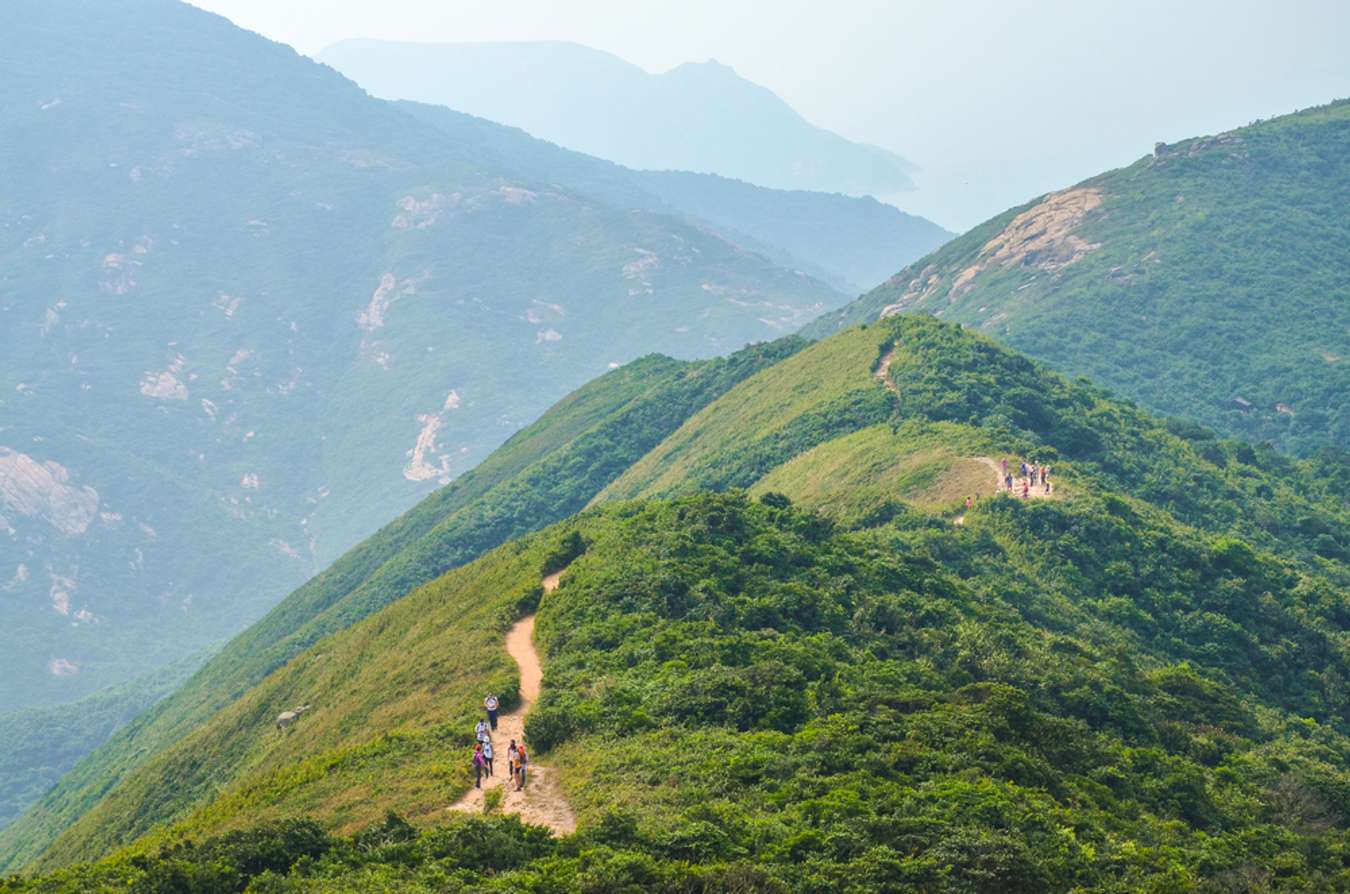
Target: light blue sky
[[997, 101]]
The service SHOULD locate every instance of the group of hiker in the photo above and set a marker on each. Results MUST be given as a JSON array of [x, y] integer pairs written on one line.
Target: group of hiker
[[1030, 476], [517, 759]]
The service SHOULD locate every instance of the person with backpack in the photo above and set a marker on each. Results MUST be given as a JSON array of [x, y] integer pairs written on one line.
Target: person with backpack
[[522, 761], [480, 732], [491, 704], [479, 764], [512, 759]]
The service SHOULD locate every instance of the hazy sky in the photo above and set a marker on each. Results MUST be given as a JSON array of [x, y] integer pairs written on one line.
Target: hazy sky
[[996, 100]]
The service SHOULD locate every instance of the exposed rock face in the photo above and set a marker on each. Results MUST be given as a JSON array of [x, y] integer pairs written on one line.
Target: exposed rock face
[[43, 491], [1041, 238], [165, 384]]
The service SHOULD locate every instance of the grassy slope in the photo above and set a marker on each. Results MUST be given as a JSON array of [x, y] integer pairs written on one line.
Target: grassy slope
[[544, 473], [1002, 402], [958, 393], [743, 694], [391, 696], [1222, 272]]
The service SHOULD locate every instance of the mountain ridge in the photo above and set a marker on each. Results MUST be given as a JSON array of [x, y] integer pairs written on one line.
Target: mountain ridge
[[216, 253], [1130, 490], [1206, 281], [597, 103], [354, 269]]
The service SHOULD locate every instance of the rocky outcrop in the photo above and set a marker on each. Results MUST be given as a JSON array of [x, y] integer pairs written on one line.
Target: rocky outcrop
[[42, 490], [1042, 237]]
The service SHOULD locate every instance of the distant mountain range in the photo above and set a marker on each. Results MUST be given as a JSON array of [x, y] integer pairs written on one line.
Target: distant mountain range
[[1210, 280], [699, 117], [848, 242], [249, 313]]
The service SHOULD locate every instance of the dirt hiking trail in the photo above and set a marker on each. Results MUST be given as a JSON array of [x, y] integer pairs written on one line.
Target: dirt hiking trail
[[542, 802], [883, 371]]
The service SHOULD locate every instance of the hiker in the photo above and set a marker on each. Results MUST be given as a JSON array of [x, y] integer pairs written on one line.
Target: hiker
[[1007, 483], [522, 761], [491, 704], [1045, 475], [478, 764], [970, 501], [1024, 470], [487, 755], [1026, 488], [480, 732], [512, 759]]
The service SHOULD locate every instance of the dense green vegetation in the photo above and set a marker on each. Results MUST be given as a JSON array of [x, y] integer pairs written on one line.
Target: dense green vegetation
[[543, 473], [1215, 270], [1079, 695], [1138, 685], [969, 394]]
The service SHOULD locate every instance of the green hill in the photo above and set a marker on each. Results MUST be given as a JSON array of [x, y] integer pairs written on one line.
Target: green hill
[[1209, 281], [542, 474], [821, 683], [248, 313]]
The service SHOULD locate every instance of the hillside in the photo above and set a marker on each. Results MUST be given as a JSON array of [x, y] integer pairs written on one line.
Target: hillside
[[851, 243], [39, 745], [249, 313], [542, 474], [1209, 281], [824, 682], [700, 117]]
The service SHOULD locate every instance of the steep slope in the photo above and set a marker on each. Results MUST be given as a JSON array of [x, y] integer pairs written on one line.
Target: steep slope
[[39, 745], [696, 117], [868, 691], [248, 313], [1209, 281], [543, 473], [851, 243]]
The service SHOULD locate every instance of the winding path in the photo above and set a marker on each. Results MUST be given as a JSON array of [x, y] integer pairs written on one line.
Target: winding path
[[542, 802]]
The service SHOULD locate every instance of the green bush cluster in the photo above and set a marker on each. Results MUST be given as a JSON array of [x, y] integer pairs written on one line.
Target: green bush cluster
[[747, 697]]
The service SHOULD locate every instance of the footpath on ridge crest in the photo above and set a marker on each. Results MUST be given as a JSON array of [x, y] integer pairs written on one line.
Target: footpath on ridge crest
[[882, 374], [542, 802]]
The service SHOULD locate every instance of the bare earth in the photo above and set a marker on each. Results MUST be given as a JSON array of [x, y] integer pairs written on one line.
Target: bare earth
[[542, 802], [883, 371], [1037, 492]]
